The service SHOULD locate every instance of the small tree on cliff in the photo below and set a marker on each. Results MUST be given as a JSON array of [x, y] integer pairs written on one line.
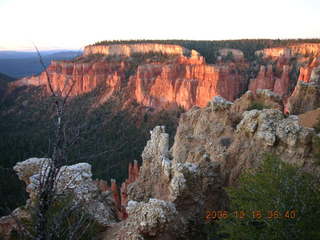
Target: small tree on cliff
[[229, 56], [56, 216], [46, 188], [278, 201]]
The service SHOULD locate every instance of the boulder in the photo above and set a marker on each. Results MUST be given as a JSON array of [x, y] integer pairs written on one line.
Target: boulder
[[75, 179]]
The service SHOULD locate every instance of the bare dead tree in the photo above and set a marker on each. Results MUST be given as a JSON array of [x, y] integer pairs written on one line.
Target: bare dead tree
[[47, 189], [64, 137]]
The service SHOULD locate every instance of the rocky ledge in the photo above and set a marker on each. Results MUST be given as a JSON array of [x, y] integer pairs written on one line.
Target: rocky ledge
[[170, 194], [130, 49]]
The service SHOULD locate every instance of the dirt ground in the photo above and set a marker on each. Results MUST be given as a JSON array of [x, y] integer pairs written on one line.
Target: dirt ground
[[309, 119]]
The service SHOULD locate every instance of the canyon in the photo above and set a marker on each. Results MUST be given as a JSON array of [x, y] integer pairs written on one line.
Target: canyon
[[235, 111], [172, 75], [177, 80], [170, 193]]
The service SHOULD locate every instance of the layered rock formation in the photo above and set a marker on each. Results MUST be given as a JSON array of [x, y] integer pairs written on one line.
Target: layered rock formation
[[141, 48], [304, 57], [171, 76], [84, 76], [212, 147], [266, 79], [302, 49], [305, 73], [307, 68], [133, 175], [178, 80], [186, 85], [121, 200], [306, 95]]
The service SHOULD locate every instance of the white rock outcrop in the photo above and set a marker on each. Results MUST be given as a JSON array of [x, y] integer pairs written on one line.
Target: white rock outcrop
[[156, 218], [75, 179], [270, 125], [219, 103]]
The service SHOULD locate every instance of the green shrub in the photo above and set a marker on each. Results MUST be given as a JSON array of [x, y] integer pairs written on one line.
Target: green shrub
[[316, 149], [277, 201], [65, 221], [257, 105]]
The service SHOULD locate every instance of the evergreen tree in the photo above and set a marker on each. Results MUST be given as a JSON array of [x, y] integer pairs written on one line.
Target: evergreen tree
[[277, 201]]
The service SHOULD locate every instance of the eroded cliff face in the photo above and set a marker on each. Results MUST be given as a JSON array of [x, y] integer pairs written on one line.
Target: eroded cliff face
[[161, 76], [156, 82], [85, 76], [302, 49], [213, 145], [306, 97], [266, 79], [308, 70], [285, 71], [186, 84], [130, 49]]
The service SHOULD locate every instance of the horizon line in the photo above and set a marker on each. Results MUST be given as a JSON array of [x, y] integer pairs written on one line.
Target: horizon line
[[32, 49]]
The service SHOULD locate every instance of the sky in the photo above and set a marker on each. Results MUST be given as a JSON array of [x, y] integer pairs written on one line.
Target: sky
[[72, 24]]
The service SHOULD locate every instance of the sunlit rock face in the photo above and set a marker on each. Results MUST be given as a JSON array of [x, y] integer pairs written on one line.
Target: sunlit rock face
[[281, 64], [186, 84], [179, 77], [307, 69], [129, 49], [84, 76], [266, 79], [182, 79], [302, 49]]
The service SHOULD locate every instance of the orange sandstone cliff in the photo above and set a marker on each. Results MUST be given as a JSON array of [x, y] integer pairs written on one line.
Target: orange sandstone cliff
[[179, 76], [295, 49], [129, 49], [163, 75], [186, 84], [266, 79]]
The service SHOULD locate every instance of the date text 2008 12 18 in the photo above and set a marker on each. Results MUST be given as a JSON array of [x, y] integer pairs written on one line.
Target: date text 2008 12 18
[[257, 214]]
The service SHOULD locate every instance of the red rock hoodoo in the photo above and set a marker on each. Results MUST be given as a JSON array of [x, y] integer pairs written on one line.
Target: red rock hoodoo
[[121, 200], [182, 79], [266, 79]]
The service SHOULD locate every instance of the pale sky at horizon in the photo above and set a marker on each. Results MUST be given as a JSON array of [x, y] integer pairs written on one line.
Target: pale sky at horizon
[[72, 24]]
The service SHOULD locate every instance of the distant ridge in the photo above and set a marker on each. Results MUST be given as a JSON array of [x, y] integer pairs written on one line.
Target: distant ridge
[[6, 78], [23, 64], [209, 48]]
